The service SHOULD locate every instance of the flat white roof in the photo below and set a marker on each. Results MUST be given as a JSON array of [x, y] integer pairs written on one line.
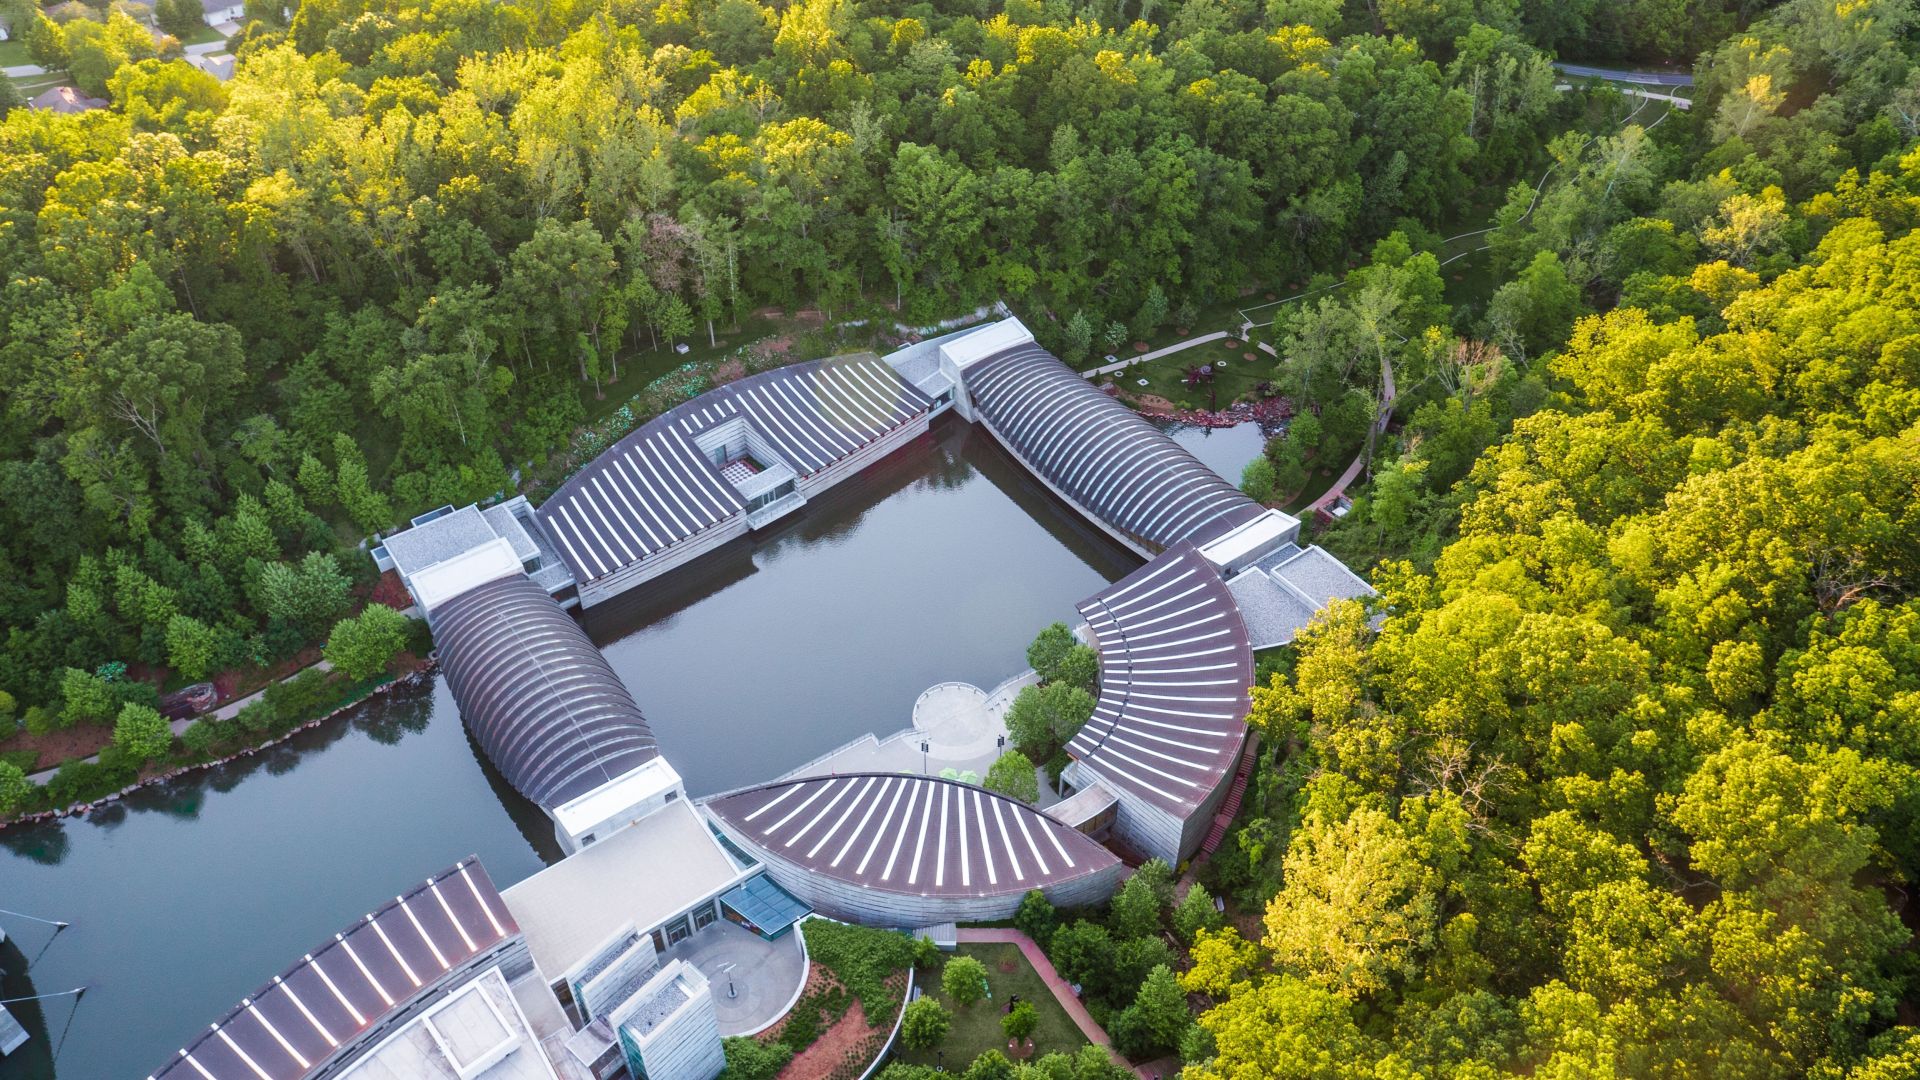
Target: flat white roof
[[468, 570], [1265, 532], [990, 340], [642, 875], [626, 790]]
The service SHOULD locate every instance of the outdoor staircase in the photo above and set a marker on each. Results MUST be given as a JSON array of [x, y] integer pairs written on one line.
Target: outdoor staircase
[[1230, 806]]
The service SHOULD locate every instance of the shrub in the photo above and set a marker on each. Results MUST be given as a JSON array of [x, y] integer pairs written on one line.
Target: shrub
[[362, 645], [926, 1023], [964, 980], [201, 736], [1081, 667], [1083, 953], [1154, 1023], [1049, 649], [862, 958], [1136, 911], [1195, 914], [1258, 479], [15, 789], [256, 718], [802, 1026], [751, 1059]]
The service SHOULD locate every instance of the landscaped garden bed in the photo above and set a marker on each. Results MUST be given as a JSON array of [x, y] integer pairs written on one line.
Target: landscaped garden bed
[[857, 982]]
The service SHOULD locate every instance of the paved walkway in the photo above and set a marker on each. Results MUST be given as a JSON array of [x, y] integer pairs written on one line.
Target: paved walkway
[[1155, 354], [960, 724], [1062, 989], [23, 71]]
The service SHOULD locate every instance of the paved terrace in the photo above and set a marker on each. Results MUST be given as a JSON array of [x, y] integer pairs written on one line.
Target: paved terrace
[[542, 701], [657, 489]]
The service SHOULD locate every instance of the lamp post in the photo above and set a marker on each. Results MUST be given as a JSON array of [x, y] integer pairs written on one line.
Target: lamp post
[[923, 759]]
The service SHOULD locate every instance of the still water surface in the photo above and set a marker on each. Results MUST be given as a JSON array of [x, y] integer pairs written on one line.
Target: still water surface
[[938, 564]]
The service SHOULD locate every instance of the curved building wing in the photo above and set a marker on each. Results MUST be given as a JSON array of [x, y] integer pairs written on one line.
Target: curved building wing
[[355, 986], [543, 703], [1175, 665], [905, 850], [668, 482], [1101, 455]]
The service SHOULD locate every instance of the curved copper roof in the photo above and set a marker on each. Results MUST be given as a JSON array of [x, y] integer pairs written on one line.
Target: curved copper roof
[[543, 703], [655, 488], [1116, 465], [1175, 666], [319, 1009], [914, 835]]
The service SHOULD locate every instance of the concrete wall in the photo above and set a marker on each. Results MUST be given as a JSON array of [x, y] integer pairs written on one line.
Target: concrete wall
[[686, 1045], [1147, 827], [872, 907], [606, 588]]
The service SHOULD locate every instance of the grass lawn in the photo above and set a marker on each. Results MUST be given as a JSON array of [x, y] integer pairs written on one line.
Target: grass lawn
[[976, 1029], [1166, 376], [14, 53], [203, 35]]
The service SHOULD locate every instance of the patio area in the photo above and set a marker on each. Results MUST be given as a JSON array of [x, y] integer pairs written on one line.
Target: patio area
[[754, 981]]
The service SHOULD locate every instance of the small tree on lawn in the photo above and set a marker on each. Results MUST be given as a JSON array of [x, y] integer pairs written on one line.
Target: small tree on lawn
[[141, 733], [964, 980], [926, 1023], [362, 645], [1013, 775], [1020, 1021]]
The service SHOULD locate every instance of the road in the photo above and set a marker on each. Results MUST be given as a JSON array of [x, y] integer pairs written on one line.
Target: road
[[1645, 78]]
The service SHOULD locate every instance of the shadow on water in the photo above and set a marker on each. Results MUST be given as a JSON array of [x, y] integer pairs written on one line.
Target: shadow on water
[[535, 827], [33, 1061]]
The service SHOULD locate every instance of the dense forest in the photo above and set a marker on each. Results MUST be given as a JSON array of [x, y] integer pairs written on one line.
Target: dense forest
[[1618, 778]]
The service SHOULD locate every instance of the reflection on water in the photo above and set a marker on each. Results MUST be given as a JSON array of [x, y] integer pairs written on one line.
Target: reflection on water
[[938, 564], [1224, 450]]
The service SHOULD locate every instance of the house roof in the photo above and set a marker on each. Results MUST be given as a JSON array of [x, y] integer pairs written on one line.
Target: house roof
[[538, 696], [914, 835], [1175, 665], [65, 99], [316, 1010], [1115, 465], [655, 488]]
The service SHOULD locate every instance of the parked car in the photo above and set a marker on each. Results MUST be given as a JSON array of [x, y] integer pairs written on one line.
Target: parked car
[[189, 702]]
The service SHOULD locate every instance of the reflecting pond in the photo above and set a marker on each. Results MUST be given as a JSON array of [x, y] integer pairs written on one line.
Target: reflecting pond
[[940, 563]]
